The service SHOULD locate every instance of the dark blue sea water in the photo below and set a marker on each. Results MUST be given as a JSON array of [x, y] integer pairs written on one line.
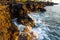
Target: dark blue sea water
[[47, 23]]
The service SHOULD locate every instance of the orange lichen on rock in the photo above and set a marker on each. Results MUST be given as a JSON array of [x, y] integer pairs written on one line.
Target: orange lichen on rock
[[8, 31]]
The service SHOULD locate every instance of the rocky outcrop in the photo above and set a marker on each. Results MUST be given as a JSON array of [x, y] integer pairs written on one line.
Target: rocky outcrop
[[21, 13], [21, 10]]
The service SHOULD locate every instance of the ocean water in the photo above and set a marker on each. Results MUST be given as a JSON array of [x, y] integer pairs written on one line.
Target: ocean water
[[47, 24]]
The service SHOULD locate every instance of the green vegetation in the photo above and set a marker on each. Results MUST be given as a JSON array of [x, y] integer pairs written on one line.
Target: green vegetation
[[23, 0]]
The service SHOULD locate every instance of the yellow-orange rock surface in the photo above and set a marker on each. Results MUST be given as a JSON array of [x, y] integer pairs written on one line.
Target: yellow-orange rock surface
[[8, 31]]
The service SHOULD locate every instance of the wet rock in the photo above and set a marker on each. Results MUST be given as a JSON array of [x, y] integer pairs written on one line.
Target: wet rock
[[42, 9]]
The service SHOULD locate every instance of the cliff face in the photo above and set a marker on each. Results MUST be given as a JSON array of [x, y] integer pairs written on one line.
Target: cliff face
[[8, 31]]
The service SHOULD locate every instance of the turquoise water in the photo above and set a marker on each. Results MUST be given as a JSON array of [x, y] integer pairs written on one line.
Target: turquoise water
[[47, 24]]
